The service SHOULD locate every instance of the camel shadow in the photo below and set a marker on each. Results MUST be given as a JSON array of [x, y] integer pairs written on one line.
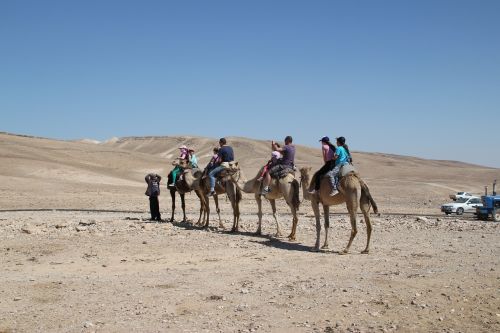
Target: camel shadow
[[243, 233], [283, 245]]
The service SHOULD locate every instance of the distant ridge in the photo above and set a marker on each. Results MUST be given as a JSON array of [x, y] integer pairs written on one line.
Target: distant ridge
[[206, 144]]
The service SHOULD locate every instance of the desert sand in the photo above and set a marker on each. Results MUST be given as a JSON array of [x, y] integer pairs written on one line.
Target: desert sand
[[78, 253]]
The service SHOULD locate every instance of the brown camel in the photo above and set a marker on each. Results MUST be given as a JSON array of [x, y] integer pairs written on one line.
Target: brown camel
[[353, 192], [184, 184], [287, 188], [226, 186]]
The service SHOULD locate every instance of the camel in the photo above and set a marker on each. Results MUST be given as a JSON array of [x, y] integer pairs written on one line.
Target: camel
[[233, 193], [287, 188], [185, 184], [354, 192]]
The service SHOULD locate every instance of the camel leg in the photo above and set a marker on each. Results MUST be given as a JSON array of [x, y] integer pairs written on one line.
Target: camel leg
[[216, 200], [326, 214], [366, 214], [317, 216], [172, 195], [352, 207], [236, 212], [207, 211], [232, 198], [183, 205], [295, 221], [278, 228], [201, 207], [364, 204], [259, 214]]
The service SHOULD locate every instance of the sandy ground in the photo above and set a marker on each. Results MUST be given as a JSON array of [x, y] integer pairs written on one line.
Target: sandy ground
[[116, 272]]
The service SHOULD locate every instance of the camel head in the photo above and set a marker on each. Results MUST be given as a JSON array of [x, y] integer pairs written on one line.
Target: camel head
[[305, 174], [180, 162], [232, 172], [231, 169]]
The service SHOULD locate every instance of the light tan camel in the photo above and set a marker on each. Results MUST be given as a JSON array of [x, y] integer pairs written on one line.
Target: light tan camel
[[233, 193], [287, 188], [353, 192]]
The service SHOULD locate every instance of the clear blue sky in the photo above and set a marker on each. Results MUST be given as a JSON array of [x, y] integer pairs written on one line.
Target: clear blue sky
[[419, 78]]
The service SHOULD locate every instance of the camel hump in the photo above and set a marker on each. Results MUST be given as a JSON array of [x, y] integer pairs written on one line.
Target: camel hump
[[197, 173], [290, 177], [347, 169]]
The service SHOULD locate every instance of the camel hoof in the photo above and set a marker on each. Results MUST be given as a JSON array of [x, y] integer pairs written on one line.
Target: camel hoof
[[278, 235], [258, 233], [343, 252], [325, 247], [292, 239], [365, 252], [315, 249]]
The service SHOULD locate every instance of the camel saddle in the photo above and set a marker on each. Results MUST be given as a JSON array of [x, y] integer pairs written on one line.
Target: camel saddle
[[281, 171], [344, 171]]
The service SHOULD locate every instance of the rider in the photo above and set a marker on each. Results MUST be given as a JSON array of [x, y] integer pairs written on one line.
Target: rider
[[342, 157], [225, 154], [193, 160], [328, 150], [213, 162], [286, 162], [275, 156], [184, 155]]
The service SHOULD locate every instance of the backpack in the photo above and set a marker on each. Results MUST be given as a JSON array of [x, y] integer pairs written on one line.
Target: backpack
[[155, 187]]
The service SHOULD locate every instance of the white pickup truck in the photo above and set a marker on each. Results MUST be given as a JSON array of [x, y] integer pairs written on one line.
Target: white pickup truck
[[462, 205], [460, 195]]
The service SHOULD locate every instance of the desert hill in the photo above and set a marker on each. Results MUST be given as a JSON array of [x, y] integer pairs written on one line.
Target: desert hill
[[45, 173]]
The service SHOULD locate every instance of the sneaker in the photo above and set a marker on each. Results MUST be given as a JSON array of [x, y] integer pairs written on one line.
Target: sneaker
[[313, 191], [211, 194], [260, 179], [265, 190], [333, 192]]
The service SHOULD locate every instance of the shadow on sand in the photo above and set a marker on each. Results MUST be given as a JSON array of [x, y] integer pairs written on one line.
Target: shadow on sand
[[279, 244], [268, 240]]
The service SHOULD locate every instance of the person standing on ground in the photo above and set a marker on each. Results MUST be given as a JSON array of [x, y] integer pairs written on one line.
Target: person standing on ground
[[153, 191]]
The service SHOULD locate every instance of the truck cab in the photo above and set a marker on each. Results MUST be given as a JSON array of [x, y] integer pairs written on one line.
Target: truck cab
[[490, 207]]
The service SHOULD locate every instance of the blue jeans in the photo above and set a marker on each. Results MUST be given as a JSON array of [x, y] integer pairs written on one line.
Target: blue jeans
[[334, 176], [212, 174]]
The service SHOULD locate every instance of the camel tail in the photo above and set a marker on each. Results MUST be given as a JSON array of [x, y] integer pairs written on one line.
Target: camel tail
[[365, 189], [295, 194]]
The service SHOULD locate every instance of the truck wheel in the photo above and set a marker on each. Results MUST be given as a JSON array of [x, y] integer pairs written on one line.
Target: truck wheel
[[447, 213], [460, 211], [496, 215]]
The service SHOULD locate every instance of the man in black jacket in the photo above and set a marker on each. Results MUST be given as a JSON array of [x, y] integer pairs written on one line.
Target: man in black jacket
[[153, 191]]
